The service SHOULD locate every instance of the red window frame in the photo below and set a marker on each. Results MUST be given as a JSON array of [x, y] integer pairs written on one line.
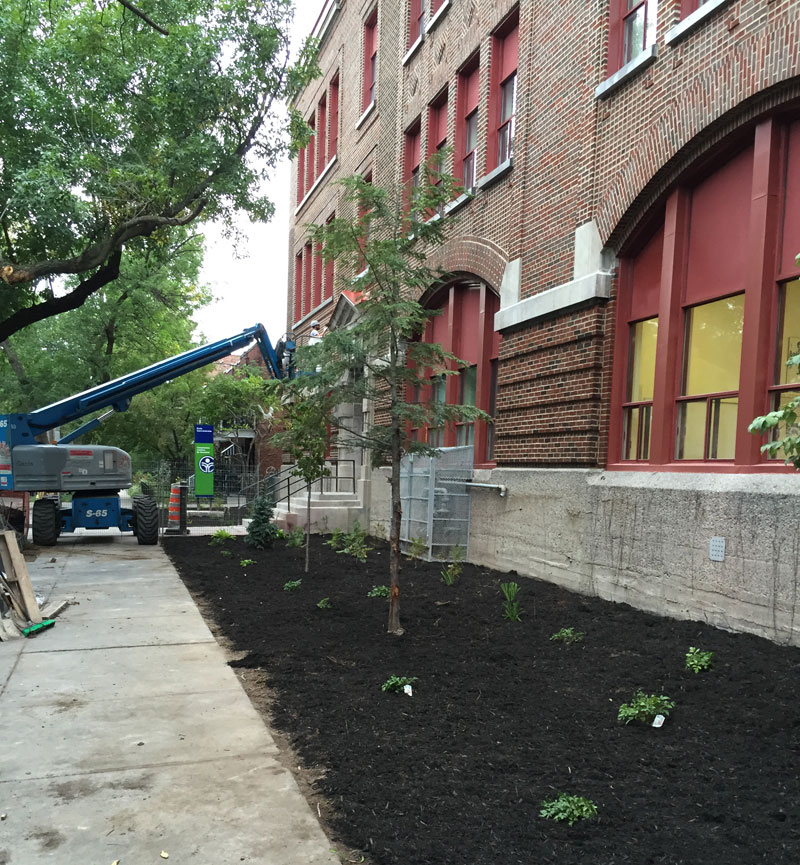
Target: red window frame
[[308, 259], [411, 156], [467, 98], [311, 161], [503, 74], [416, 20], [322, 133], [437, 123], [333, 117], [301, 174], [770, 225], [327, 276], [370, 70], [689, 6], [619, 53], [298, 286]]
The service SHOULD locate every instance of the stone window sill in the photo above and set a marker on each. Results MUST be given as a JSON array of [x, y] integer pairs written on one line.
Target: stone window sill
[[695, 19], [621, 76], [365, 116], [495, 174]]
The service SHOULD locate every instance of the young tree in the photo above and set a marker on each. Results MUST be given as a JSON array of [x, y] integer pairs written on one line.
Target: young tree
[[113, 135], [381, 357], [305, 434]]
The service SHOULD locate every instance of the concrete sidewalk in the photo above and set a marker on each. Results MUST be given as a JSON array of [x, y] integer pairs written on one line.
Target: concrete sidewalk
[[125, 733]]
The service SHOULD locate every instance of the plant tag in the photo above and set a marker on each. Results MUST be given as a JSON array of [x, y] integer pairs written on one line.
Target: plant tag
[[658, 721], [407, 690]]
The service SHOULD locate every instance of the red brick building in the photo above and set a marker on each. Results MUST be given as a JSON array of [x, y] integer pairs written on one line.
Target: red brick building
[[625, 286]]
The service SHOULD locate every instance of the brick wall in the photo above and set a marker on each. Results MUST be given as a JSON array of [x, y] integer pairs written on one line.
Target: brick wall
[[576, 158]]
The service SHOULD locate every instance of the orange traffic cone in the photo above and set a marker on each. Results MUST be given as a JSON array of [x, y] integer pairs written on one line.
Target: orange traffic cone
[[174, 516]]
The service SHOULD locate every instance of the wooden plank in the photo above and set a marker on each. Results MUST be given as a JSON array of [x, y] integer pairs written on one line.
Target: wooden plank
[[18, 571]]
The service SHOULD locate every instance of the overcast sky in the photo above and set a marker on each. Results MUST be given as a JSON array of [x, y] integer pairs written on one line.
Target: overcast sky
[[252, 287]]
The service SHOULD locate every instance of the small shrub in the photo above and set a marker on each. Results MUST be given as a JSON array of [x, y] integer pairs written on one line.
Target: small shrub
[[219, 537], [569, 808], [280, 534], [511, 608], [295, 538], [226, 553], [697, 660], [396, 683], [245, 563], [292, 585], [644, 708], [568, 635], [354, 543], [455, 567], [262, 532], [336, 540], [379, 592], [417, 548], [325, 604]]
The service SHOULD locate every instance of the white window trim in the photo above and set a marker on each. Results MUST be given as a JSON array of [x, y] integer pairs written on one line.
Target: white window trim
[[642, 60], [313, 188], [314, 312], [437, 17], [412, 50], [693, 20], [367, 111]]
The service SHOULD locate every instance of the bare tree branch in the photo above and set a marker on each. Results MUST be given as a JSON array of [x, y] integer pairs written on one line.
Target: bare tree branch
[[128, 5], [55, 305]]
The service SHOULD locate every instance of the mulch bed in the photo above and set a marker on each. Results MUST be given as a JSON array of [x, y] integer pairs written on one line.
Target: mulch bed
[[502, 718]]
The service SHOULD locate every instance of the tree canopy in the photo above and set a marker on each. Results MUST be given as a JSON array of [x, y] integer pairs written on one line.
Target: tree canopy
[[113, 135]]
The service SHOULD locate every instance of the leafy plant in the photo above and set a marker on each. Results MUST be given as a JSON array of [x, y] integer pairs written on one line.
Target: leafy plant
[[697, 660], [219, 537], [396, 683], [262, 532], [644, 708], [325, 604], [295, 538], [292, 585], [567, 635], [783, 427], [379, 592], [226, 553], [245, 563], [455, 567], [568, 808], [511, 608], [336, 539], [417, 547], [354, 543]]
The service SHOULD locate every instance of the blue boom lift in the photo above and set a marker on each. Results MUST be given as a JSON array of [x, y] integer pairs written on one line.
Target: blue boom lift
[[95, 474]]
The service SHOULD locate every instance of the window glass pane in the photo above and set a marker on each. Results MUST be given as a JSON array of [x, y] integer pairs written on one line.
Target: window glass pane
[[508, 99], [469, 171], [637, 432], [471, 138], [644, 335], [465, 433], [468, 383], [691, 430], [631, 433], [714, 346], [789, 344], [436, 437], [722, 428], [780, 400], [634, 33]]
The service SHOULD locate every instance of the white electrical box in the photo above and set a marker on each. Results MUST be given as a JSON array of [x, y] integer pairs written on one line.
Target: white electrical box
[[716, 549]]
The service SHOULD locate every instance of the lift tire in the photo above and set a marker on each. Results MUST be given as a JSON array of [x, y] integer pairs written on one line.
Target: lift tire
[[145, 518], [46, 522]]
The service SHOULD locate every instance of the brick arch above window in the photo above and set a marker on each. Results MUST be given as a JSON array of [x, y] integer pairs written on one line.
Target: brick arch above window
[[472, 255], [665, 152]]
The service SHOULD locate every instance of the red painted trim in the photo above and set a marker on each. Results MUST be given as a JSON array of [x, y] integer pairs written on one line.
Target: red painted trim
[[316, 294], [619, 375], [669, 344], [483, 382], [463, 110], [616, 15], [370, 50], [760, 297], [504, 42], [311, 159], [333, 118], [727, 467], [322, 133], [451, 383], [307, 256], [301, 174], [298, 286]]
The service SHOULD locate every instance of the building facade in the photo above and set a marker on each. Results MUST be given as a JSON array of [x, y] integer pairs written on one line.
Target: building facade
[[624, 285]]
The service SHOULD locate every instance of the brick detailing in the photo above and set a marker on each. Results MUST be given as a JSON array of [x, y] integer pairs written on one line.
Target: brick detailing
[[473, 255]]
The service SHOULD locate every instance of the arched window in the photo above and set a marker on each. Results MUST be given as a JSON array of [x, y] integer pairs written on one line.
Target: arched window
[[709, 311], [465, 327]]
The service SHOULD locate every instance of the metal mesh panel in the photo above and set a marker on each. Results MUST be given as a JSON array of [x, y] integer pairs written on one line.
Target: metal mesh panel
[[436, 502]]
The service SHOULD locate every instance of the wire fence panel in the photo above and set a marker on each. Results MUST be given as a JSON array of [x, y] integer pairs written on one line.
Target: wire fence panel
[[436, 502]]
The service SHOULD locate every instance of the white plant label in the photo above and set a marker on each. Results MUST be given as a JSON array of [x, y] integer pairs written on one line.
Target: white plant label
[[658, 721], [407, 690]]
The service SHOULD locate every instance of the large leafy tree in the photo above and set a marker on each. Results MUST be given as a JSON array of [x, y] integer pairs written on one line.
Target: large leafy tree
[[113, 135], [381, 359]]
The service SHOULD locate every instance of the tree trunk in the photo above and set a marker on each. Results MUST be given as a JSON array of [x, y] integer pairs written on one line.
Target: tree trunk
[[16, 364], [308, 526], [394, 626]]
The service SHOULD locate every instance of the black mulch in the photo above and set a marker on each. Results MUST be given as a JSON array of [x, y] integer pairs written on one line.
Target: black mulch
[[502, 718]]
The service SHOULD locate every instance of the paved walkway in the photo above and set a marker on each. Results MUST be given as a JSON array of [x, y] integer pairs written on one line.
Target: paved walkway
[[124, 733]]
